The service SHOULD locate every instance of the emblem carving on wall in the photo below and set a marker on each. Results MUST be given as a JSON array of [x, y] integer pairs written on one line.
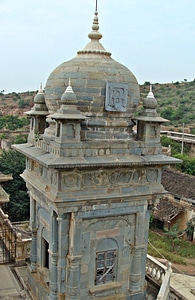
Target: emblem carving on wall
[[71, 180], [152, 175], [116, 96]]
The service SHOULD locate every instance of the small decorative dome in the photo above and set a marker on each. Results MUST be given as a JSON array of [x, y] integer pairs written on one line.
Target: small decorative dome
[[150, 101], [68, 97], [39, 97], [39, 107]]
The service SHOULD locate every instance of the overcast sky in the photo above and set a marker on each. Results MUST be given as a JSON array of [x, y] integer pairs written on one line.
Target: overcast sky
[[155, 39]]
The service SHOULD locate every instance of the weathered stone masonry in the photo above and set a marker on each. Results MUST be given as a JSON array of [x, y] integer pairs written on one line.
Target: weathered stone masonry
[[92, 178]]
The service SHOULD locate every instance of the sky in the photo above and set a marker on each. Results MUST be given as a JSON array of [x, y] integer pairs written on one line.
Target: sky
[[155, 39]]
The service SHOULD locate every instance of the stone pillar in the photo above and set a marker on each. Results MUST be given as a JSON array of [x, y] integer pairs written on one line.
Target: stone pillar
[[73, 288], [137, 251], [135, 275], [62, 239], [53, 285], [33, 253]]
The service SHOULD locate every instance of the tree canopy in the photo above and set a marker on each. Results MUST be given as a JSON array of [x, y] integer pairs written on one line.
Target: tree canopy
[[18, 208]]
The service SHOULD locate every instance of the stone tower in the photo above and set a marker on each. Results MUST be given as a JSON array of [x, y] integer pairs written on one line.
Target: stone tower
[[92, 179]]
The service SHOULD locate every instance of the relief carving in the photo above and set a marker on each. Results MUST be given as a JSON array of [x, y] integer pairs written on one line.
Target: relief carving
[[116, 96], [152, 175], [91, 179], [71, 180], [120, 177], [102, 179]]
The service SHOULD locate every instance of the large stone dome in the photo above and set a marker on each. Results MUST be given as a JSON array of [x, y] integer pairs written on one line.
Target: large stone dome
[[96, 80]]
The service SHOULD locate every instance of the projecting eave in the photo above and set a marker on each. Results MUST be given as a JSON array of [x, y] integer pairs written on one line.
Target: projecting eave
[[151, 119], [59, 116], [50, 160]]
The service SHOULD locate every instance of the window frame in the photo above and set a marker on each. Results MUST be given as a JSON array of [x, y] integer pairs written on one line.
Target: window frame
[[107, 271]]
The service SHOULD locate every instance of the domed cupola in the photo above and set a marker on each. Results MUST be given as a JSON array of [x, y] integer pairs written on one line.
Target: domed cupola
[[40, 96], [150, 101], [148, 125], [107, 92], [37, 116]]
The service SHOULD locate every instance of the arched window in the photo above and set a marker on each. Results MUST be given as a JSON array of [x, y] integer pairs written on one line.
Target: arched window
[[106, 261]]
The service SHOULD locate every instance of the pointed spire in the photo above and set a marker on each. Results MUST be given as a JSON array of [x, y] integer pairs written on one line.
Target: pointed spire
[[41, 89], [95, 34], [150, 94], [39, 97], [94, 46]]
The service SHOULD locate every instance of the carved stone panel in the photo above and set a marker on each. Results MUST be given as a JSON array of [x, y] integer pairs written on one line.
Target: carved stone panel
[[116, 96]]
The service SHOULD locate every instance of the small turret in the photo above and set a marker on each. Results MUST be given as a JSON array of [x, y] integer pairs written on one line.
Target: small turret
[[148, 125], [67, 118], [37, 116]]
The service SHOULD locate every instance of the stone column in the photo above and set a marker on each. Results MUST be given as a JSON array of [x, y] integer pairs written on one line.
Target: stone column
[[137, 250], [33, 253], [63, 226], [73, 282], [53, 285], [53, 276], [136, 269]]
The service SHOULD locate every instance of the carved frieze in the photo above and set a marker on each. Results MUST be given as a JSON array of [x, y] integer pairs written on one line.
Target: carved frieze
[[120, 177]]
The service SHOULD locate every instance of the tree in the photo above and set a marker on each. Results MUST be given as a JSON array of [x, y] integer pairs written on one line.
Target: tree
[[18, 208], [175, 146], [188, 165], [174, 234], [190, 228]]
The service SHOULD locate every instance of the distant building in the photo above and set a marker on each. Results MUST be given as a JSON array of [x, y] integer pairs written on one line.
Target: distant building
[[178, 205], [92, 180]]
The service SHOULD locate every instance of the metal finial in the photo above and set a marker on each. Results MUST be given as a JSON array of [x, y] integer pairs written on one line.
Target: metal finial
[[96, 5], [69, 82], [41, 88]]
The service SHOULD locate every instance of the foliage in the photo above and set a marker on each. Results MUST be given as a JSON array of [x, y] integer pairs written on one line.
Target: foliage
[[163, 246], [190, 228], [20, 139], [175, 146], [23, 103], [174, 234], [12, 162], [188, 165], [13, 122], [176, 101]]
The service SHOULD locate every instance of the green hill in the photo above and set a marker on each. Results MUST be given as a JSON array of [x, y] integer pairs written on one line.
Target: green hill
[[176, 101]]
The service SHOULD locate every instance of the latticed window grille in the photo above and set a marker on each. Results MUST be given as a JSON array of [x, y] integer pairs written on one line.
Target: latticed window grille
[[105, 267]]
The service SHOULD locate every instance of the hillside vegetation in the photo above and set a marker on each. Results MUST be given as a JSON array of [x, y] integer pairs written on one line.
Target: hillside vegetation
[[176, 101]]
